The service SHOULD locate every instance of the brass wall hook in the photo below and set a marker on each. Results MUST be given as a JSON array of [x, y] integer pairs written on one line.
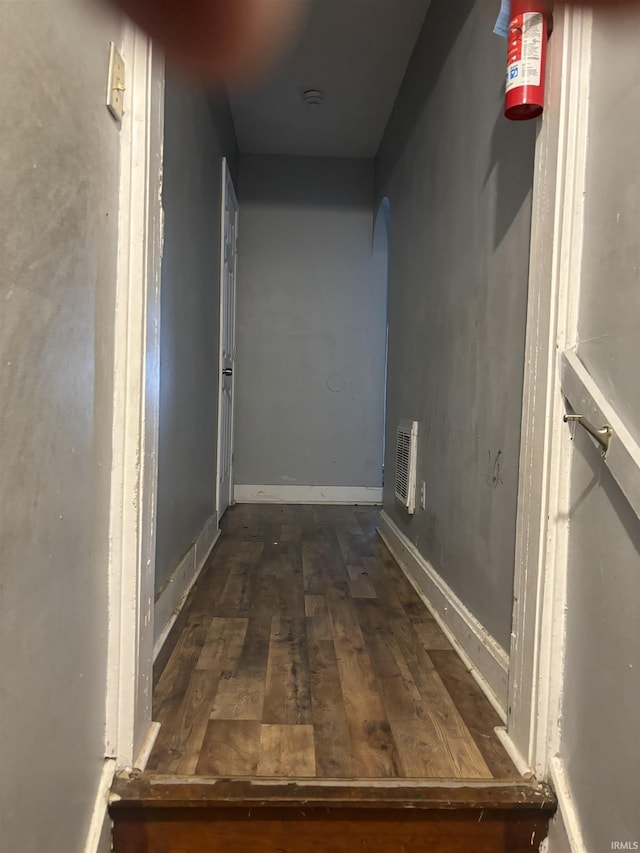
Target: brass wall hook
[[603, 435]]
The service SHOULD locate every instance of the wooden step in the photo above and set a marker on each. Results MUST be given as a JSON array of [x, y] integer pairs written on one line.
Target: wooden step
[[169, 814]]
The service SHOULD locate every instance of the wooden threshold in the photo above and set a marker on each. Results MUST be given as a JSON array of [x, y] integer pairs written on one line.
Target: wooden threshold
[[153, 791], [161, 814]]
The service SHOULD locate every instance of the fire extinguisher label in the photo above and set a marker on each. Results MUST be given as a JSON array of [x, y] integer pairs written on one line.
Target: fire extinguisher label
[[524, 64]]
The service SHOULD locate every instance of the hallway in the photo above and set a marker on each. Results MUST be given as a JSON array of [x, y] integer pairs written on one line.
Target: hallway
[[506, 299], [304, 652]]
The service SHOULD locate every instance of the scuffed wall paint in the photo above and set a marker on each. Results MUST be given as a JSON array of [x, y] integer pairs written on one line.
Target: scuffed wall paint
[[59, 171], [610, 299], [198, 133], [600, 728], [459, 177]]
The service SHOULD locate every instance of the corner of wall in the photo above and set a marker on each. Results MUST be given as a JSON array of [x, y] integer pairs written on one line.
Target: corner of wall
[[171, 598], [487, 661]]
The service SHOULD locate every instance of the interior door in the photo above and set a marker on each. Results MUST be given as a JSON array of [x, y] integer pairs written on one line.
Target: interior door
[[601, 382], [229, 243]]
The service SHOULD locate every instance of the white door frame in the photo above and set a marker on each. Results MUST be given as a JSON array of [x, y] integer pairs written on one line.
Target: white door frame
[[537, 646], [227, 183], [136, 403], [540, 571]]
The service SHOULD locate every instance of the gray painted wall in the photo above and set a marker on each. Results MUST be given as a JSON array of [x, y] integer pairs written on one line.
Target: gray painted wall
[[600, 737], [197, 135], [459, 179], [58, 241], [609, 320], [600, 742], [311, 314], [558, 837]]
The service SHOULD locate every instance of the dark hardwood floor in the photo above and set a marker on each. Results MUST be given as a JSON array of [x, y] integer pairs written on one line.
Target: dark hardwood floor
[[304, 652]]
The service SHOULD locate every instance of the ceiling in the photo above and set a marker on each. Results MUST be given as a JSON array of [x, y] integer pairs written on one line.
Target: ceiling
[[356, 52]]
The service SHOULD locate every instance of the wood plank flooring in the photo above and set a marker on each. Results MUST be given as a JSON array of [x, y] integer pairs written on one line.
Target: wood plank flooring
[[304, 652]]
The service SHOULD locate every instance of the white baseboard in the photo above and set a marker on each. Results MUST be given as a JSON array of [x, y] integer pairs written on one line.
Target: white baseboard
[[513, 752], [178, 587], [343, 495], [146, 749], [486, 659], [100, 826], [570, 822]]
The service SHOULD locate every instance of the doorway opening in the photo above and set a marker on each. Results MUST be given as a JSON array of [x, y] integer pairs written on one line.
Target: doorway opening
[[227, 358], [288, 574]]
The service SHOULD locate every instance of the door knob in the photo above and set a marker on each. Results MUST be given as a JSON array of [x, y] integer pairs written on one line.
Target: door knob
[[227, 371]]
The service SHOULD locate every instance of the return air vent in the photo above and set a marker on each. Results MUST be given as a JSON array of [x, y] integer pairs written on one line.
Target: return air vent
[[406, 461]]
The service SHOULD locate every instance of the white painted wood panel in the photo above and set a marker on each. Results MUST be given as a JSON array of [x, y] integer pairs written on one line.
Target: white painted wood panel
[[136, 404]]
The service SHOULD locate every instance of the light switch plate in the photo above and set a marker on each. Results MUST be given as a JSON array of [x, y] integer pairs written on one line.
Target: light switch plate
[[115, 83]]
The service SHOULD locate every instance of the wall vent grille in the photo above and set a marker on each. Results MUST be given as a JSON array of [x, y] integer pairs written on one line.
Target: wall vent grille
[[406, 464]]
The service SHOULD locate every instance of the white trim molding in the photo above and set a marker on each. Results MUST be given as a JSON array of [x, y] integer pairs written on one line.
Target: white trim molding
[[339, 495], [487, 660], [566, 805], [100, 821], [513, 752], [537, 640], [134, 473], [147, 747], [171, 598]]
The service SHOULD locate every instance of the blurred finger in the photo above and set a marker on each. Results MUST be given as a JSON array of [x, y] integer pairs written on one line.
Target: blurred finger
[[214, 39]]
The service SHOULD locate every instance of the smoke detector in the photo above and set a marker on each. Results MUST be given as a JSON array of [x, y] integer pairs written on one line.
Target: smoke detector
[[313, 97]]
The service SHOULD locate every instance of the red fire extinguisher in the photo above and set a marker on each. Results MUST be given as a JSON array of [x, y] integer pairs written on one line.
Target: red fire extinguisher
[[526, 59]]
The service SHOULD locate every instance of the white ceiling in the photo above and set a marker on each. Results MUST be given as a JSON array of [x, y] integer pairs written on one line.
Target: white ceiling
[[356, 52]]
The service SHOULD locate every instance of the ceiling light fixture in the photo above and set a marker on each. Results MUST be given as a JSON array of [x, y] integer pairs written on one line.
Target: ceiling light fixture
[[313, 97]]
